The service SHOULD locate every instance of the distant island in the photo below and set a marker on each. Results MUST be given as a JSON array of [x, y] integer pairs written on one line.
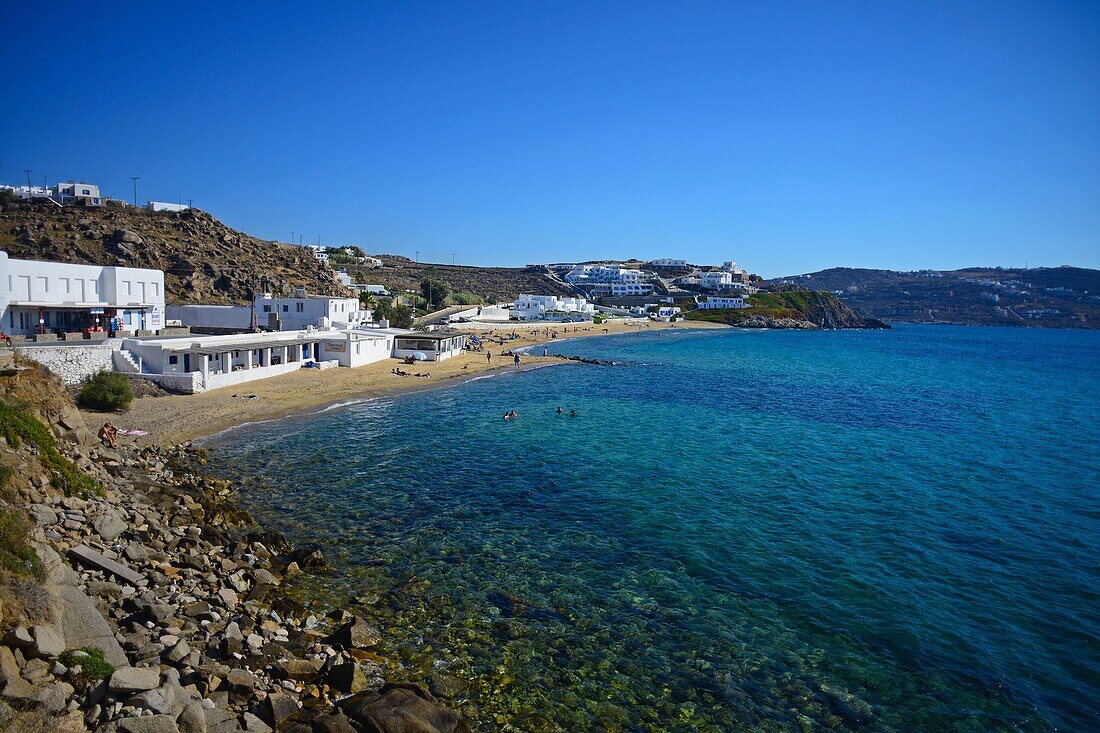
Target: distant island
[[1063, 297]]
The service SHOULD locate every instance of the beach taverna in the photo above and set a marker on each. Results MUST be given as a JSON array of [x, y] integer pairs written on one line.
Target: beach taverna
[[200, 363], [432, 346]]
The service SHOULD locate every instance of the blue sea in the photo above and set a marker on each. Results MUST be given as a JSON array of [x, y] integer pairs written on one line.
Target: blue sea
[[739, 530]]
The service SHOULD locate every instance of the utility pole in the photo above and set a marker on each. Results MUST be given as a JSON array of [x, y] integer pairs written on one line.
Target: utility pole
[[28, 172], [135, 179], [292, 241], [190, 203]]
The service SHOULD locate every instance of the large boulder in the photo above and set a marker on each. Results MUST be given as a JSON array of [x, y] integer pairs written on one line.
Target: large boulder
[[402, 709], [357, 634]]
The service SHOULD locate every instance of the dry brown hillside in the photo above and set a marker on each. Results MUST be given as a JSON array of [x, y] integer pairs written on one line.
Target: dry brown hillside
[[490, 283], [204, 261]]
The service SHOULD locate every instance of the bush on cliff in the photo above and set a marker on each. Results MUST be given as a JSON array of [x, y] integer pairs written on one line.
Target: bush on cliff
[[106, 391], [16, 556], [17, 425]]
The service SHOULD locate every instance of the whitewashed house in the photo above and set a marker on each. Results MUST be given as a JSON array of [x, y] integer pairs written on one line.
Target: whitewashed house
[[52, 297], [715, 302], [164, 206], [86, 194], [276, 313], [529, 307], [666, 262]]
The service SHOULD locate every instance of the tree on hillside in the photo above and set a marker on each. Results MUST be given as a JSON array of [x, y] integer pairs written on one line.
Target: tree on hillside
[[435, 292], [399, 316], [367, 300]]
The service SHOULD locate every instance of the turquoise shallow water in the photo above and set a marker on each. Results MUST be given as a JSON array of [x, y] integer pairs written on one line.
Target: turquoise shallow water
[[740, 530]]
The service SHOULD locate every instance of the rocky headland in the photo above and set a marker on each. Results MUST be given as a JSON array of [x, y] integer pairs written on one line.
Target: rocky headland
[[135, 597]]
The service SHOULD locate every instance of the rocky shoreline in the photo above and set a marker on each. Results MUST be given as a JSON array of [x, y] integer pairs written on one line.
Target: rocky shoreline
[[156, 605]]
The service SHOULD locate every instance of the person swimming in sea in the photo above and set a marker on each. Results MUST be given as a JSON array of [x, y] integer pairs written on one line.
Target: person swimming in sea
[[559, 410], [572, 413]]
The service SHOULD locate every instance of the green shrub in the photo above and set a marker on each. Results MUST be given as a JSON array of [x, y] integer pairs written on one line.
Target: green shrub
[[106, 390], [17, 425], [16, 556], [93, 665], [466, 299]]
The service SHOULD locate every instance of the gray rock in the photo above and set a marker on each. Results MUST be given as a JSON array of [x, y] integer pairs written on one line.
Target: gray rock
[[136, 552], [148, 724], [14, 686], [347, 678], [179, 652], [264, 577], [277, 707], [42, 514], [19, 637], [134, 679], [90, 558], [84, 626], [109, 527], [193, 718], [402, 709], [47, 642], [168, 699], [356, 634], [56, 696], [252, 724], [241, 680]]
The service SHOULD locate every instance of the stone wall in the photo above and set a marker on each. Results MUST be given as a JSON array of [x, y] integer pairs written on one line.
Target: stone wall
[[72, 363]]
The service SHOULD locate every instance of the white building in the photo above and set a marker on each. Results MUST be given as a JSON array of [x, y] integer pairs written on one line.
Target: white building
[[605, 274], [622, 289], [86, 194], [303, 311], [319, 252], [665, 262], [713, 302], [528, 307], [198, 363], [50, 297], [372, 262], [715, 280], [162, 206], [344, 278], [276, 313], [432, 346], [29, 192]]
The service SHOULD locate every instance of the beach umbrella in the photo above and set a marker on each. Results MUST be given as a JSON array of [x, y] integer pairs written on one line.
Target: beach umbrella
[[420, 356]]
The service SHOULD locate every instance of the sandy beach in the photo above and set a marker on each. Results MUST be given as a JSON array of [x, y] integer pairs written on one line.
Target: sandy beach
[[178, 418]]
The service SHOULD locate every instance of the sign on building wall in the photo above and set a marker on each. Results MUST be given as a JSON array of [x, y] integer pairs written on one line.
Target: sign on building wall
[[155, 320], [336, 347]]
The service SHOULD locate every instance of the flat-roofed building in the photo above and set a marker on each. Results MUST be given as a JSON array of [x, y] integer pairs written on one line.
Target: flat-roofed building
[[39, 297]]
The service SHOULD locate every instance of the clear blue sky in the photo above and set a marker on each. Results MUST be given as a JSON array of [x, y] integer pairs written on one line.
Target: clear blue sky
[[787, 136]]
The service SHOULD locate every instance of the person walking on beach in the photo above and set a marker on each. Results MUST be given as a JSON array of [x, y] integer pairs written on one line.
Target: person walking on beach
[[515, 357], [544, 350], [489, 356]]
